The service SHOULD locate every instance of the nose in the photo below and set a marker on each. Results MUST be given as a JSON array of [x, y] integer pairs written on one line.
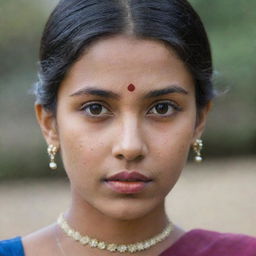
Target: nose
[[129, 142]]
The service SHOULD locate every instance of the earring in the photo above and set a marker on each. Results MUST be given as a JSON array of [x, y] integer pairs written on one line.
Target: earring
[[52, 150], [197, 147]]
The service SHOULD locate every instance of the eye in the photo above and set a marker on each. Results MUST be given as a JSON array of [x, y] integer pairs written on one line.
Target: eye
[[95, 110], [164, 109]]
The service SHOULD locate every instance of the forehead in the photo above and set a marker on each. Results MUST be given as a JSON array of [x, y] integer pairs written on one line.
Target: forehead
[[127, 48], [119, 61]]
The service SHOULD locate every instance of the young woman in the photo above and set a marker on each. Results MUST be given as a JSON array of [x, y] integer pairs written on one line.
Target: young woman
[[123, 94]]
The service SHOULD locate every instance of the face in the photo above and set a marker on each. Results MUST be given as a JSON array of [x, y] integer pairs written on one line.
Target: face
[[127, 107]]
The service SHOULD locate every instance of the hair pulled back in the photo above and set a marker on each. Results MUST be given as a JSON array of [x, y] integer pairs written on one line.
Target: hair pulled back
[[74, 25]]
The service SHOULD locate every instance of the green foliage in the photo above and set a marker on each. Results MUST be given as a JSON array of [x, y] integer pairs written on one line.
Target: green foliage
[[231, 28]]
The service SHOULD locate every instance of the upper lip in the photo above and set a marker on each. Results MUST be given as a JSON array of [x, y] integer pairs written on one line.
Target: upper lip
[[128, 176]]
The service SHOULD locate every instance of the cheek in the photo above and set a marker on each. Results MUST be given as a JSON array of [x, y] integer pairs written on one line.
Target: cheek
[[172, 161], [171, 147], [173, 142], [81, 148]]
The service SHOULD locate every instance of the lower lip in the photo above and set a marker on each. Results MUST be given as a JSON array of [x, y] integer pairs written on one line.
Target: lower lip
[[127, 187]]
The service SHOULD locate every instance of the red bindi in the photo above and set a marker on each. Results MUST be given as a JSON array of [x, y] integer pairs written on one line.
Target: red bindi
[[131, 88]]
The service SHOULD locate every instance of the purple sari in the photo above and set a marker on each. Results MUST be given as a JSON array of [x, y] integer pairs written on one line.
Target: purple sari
[[200, 242]]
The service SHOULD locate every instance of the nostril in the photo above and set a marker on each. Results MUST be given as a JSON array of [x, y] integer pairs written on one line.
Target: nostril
[[140, 157], [120, 156], [136, 158]]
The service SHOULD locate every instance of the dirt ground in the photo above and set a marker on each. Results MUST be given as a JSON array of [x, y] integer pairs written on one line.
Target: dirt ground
[[217, 195]]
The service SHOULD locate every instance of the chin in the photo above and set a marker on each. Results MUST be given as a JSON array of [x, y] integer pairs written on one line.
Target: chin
[[128, 209]]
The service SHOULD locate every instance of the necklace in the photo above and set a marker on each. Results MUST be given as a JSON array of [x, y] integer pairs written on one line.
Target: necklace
[[122, 248]]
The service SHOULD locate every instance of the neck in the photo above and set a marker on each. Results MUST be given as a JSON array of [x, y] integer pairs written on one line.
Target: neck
[[87, 220]]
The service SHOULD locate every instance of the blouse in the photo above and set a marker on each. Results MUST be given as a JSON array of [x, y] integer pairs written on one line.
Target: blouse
[[196, 242]]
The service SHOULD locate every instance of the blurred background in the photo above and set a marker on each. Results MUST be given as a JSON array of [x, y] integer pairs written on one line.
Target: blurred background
[[230, 138]]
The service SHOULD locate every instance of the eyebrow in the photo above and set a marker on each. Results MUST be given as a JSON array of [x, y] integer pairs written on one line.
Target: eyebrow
[[164, 91], [96, 92], [112, 95]]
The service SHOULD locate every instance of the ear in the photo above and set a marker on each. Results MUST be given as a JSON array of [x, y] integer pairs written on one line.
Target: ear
[[201, 121], [48, 124]]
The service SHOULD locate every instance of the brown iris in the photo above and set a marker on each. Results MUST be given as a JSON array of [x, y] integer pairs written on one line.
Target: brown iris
[[162, 108], [96, 109]]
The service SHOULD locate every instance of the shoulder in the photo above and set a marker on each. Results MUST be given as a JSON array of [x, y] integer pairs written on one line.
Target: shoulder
[[41, 242], [201, 242], [223, 240], [11, 247]]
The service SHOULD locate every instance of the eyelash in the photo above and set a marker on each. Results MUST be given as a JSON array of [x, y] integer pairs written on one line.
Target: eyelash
[[176, 108]]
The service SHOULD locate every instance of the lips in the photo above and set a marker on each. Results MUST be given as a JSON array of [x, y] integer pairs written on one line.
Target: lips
[[129, 176], [127, 182]]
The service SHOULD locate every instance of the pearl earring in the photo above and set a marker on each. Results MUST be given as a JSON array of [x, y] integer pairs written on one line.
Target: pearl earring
[[197, 147], [52, 150]]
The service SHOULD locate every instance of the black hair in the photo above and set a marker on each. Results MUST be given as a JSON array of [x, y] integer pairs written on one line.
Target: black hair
[[76, 24]]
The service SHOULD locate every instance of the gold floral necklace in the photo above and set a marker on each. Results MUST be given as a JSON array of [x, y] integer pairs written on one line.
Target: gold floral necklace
[[112, 247]]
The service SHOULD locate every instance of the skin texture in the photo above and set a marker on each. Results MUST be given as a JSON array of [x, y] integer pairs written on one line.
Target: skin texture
[[129, 133]]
